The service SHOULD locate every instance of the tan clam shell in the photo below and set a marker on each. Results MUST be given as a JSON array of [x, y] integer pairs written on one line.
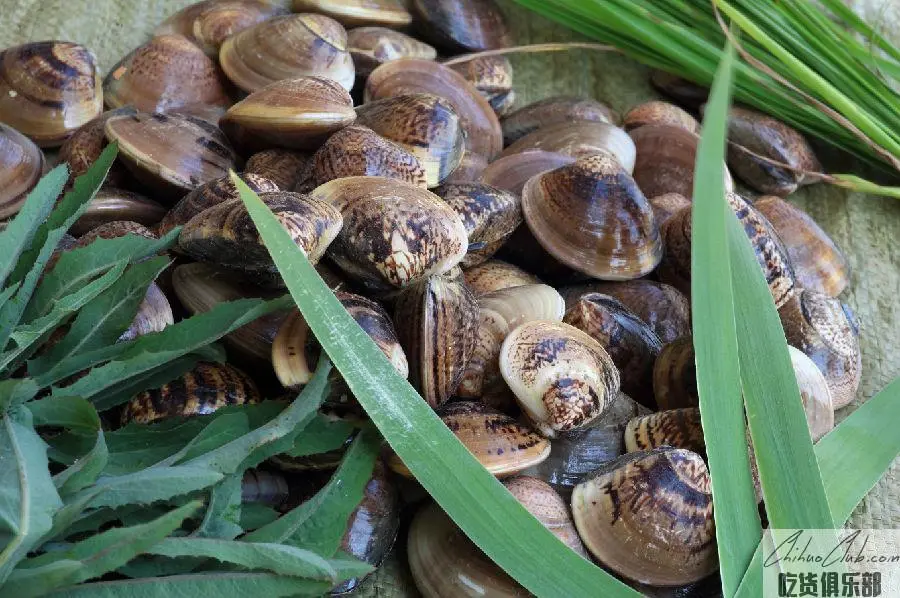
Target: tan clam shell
[[293, 113], [461, 25], [49, 89], [394, 233], [630, 342], [490, 216], [201, 391], [426, 125], [679, 428], [542, 501], [110, 204], [492, 76], [408, 75], [436, 323], [287, 47], [167, 73], [353, 13], [219, 21], [675, 375], [552, 111], [499, 312], [170, 152], [494, 275], [821, 327], [501, 444], [182, 22], [357, 150], [562, 378], [208, 195], [818, 263], [21, 167], [285, 168], [665, 205], [86, 144], [513, 171], [648, 516], [579, 139], [659, 113], [373, 46], [814, 393], [592, 217], [153, 315]]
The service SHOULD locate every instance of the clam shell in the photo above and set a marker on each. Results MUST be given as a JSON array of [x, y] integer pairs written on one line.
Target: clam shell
[[426, 125], [562, 378], [592, 217], [203, 390], [552, 111], [287, 47], [182, 22], [461, 25], [818, 263], [513, 171], [542, 501], [436, 323], [660, 113], [153, 315], [86, 144], [21, 167], [359, 151], [114, 229], [287, 169], [220, 20], [371, 47], [265, 487], [648, 517], [172, 153], [675, 375], [49, 89], [492, 76], [110, 204], [490, 216], [494, 275], [815, 394], [468, 171], [294, 113], [407, 75], [353, 13], [679, 428], [579, 139], [685, 93], [665, 205], [394, 233], [166, 73]]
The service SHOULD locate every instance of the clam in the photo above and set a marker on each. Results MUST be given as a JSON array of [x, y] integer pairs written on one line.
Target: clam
[[553, 111], [679, 428], [468, 171], [592, 217], [686, 93], [648, 517], [445, 564], [353, 13], [815, 394], [371, 47], [492, 76], [461, 25], [751, 132], [579, 139], [822, 328], [171, 153], [287, 169], [182, 22], [394, 233], [114, 229], [201, 391], [220, 20], [630, 342], [513, 171], [542, 501], [490, 216], [359, 151], [49, 89], [665, 205], [407, 75], [675, 267], [663, 307], [21, 167], [208, 195], [166, 73], [153, 315], [576, 453], [287, 47], [436, 322], [494, 275], [200, 287], [499, 312], [675, 375], [665, 160], [660, 113], [818, 263], [265, 487], [86, 144], [562, 378], [294, 113], [225, 234], [501, 444], [111, 204]]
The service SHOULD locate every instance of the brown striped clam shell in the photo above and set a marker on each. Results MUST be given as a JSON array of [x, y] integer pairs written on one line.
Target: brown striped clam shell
[[357, 150], [86, 144], [492, 76], [468, 171], [513, 171], [494, 275], [354, 13], [114, 229], [286, 168], [461, 25], [111, 204], [659, 113], [665, 205], [220, 20], [579, 139], [182, 21], [552, 111], [675, 375], [21, 167], [542, 501], [679, 428], [373, 46]]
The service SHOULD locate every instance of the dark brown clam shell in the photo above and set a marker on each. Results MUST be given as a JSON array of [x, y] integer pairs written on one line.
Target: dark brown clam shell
[[492, 76], [552, 111], [86, 144], [675, 375], [660, 113], [21, 167], [357, 150], [461, 25], [286, 168], [110, 204], [685, 93], [665, 205]]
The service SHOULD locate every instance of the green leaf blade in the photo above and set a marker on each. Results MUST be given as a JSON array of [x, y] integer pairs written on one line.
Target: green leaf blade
[[269, 585]]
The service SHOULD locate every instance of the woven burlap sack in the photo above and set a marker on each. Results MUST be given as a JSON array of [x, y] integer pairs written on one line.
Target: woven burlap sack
[[866, 227]]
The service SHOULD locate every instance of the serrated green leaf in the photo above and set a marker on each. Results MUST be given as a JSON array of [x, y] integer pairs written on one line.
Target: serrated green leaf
[[85, 470], [31, 583], [320, 522], [28, 498], [7, 293], [254, 515], [348, 567], [321, 435], [16, 391], [103, 321], [66, 516], [17, 237], [156, 566], [219, 432], [199, 584], [277, 558], [150, 485], [73, 413], [222, 519]]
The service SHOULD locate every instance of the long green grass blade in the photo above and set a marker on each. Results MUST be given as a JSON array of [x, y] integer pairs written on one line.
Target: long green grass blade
[[738, 529], [499, 525]]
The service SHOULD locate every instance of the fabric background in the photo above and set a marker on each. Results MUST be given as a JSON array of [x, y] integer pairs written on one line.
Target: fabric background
[[866, 227]]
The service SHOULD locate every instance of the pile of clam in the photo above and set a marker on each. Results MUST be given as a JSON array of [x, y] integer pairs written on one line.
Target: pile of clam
[[400, 167]]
